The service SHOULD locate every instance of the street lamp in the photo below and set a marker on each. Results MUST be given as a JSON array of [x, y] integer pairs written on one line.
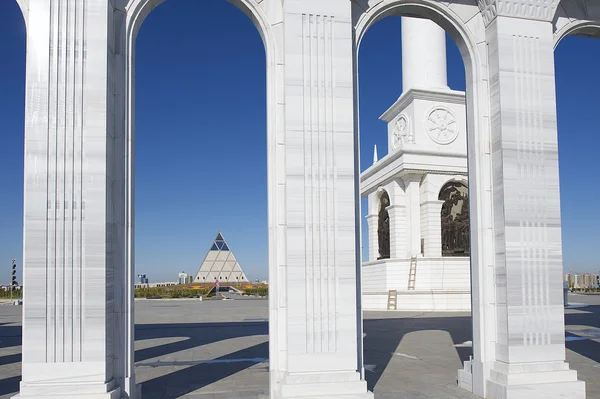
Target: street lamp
[[13, 282]]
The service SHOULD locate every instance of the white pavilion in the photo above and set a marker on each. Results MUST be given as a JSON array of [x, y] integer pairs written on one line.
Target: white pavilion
[[418, 214]]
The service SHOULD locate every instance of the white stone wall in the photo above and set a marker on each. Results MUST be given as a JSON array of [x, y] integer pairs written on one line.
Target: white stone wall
[[441, 284]]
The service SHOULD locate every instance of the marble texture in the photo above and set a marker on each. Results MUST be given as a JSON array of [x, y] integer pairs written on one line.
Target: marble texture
[[79, 187], [423, 54]]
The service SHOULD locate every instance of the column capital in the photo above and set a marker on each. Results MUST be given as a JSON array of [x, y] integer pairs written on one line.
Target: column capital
[[541, 10], [395, 207], [433, 202], [412, 178]]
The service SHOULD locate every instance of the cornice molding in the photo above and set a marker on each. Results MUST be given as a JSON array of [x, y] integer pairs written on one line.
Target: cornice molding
[[446, 96], [541, 10]]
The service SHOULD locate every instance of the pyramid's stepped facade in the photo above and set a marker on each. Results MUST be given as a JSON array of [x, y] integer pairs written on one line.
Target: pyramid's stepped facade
[[220, 264]]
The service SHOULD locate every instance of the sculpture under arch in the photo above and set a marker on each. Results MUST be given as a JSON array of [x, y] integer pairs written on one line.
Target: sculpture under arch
[[455, 219], [383, 227]]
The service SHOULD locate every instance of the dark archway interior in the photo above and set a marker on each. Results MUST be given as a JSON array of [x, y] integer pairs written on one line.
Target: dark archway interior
[[455, 219], [383, 228]]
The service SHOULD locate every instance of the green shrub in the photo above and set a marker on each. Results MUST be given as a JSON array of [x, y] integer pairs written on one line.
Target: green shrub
[[169, 292], [258, 291]]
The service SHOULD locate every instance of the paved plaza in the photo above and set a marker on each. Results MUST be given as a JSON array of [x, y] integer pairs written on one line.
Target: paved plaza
[[219, 349]]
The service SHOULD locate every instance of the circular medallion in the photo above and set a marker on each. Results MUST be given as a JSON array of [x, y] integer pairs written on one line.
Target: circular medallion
[[401, 133], [442, 126]]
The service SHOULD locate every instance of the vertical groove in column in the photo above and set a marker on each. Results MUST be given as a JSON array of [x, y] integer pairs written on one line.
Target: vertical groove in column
[[329, 148], [73, 181], [80, 312], [51, 189], [314, 189], [305, 139], [543, 236], [319, 183], [64, 163], [319, 320], [332, 80], [60, 179], [68, 187], [532, 192]]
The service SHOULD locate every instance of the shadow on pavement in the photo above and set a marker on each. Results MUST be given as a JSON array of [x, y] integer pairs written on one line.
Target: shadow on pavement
[[10, 335], [588, 317], [384, 335], [198, 334], [382, 339], [10, 385], [187, 378]]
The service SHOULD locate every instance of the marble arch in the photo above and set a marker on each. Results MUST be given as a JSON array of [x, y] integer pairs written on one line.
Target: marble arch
[[463, 29], [265, 15], [78, 313], [573, 17]]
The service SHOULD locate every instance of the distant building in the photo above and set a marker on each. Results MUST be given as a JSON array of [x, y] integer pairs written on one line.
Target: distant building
[[582, 280], [183, 278], [152, 285], [220, 265], [143, 279]]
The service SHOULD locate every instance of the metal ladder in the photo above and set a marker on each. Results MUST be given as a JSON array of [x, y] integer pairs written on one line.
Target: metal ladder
[[392, 297], [412, 273]]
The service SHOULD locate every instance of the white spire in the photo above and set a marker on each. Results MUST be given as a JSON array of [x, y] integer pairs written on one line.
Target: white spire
[[375, 158]]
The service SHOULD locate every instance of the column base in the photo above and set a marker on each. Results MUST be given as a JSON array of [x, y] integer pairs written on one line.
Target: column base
[[323, 386], [116, 394], [526, 381], [68, 391]]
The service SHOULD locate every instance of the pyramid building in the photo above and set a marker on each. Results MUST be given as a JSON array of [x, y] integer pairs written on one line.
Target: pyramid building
[[220, 264]]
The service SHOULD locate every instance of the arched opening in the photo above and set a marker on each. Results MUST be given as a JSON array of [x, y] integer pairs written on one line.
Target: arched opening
[[201, 133], [418, 257], [455, 219], [12, 117], [577, 55], [383, 228]]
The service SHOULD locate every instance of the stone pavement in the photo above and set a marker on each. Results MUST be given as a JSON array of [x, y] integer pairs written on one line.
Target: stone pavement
[[219, 349]]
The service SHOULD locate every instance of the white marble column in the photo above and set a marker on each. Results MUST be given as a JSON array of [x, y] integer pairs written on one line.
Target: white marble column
[[413, 211], [373, 223], [324, 323], [431, 225], [74, 310], [530, 336], [398, 231], [423, 55]]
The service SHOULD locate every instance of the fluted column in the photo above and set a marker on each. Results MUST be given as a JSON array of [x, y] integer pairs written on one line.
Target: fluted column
[[530, 335], [373, 223], [73, 308], [324, 329]]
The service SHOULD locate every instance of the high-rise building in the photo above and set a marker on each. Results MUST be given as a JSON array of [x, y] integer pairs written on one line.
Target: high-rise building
[[582, 280], [143, 279]]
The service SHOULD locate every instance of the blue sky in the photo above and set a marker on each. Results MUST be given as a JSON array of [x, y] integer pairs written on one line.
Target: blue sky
[[201, 141]]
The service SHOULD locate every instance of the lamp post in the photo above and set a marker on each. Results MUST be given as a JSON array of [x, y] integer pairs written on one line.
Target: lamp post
[[13, 281]]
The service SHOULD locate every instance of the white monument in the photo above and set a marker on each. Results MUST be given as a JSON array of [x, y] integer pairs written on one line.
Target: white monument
[[78, 324], [220, 264], [417, 195]]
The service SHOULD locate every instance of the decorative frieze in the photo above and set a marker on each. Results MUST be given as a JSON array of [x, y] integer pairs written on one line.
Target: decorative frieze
[[542, 10]]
